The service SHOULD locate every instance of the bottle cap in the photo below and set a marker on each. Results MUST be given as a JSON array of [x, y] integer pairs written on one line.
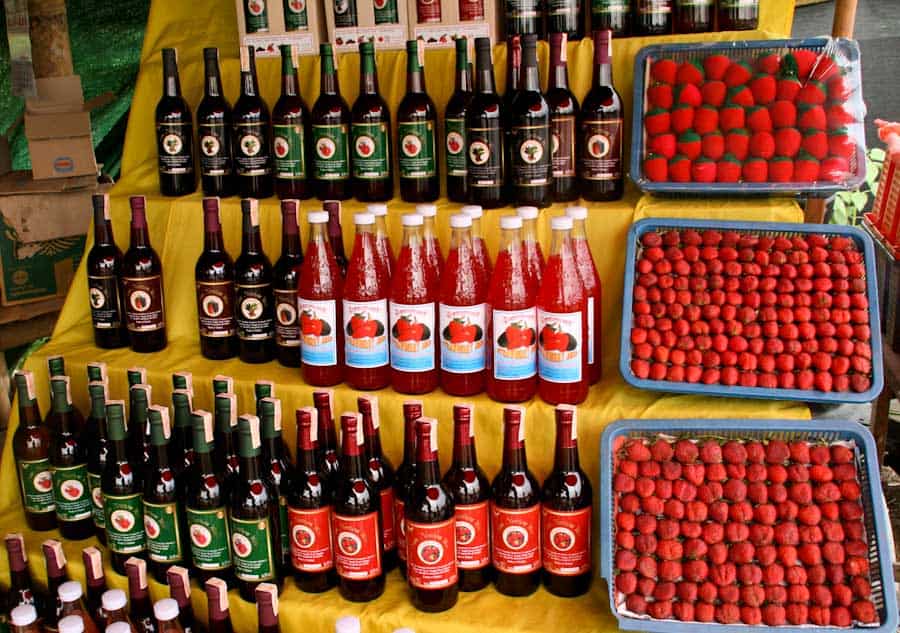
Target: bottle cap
[[483, 43], [70, 591], [23, 615], [426, 210], [527, 213], [113, 599], [460, 221], [561, 223], [71, 624], [472, 210], [412, 219], [364, 219], [165, 609], [317, 217], [510, 222], [119, 627], [377, 209], [577, 212], [347, 624]]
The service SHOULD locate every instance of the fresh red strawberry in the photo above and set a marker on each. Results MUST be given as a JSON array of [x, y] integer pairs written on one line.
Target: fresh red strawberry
[[689, 145], [740, 95], [713, 145], [781, 169], [738, 74], [834, 169], [689, 72], [769, 63], [806, 168], [716, 66], [763, 88], [664, 71], [813, 93], [756, 170], [728, 169], [825, 68], [732, 117], [656, 168], [663, 144], [759, 119], [706, 119], [840, 144], [784, 114], [737, 143], [660, 96], [815, 143], [704, 170], [762, 145], [682, 118], [680, 169], [657, 121], [689, 94], [787, 89], [838, 89], [838, 116], [713, 92], [787, 142], [804, 60]]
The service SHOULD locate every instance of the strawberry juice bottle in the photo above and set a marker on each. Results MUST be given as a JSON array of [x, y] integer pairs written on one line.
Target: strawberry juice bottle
[[382, 239], [475, 212], [433, 254], [587, 271], [534, 256]]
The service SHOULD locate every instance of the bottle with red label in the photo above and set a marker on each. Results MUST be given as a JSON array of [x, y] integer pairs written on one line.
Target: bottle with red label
[[279, 474], [286, 278], [367, 287], [534, 254], [321, 288], [562, 323], [512, 354], [413, 318], [405, 477], [382, 239], [463, 314], [515, 514], [381, 475], [566, 514], [309, 511], [587, 271], [142, 285], [430, 529], [356, 524], [471, 492], [214, 275], [433, 254], [328, 449]]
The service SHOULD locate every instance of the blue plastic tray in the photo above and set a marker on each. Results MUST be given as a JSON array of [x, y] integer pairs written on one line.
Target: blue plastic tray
[[863, 242], [881, 572], [746, 50]]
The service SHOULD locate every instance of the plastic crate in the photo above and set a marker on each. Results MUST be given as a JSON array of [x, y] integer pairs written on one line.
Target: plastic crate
[[863, 242], [881, 572], [744, 50]]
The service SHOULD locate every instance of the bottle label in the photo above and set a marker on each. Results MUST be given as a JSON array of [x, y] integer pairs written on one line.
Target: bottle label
[[484, 156], [287, 326], [371, 153], [210, 538], [473, 528], [471, 10], [417, 155], [215, 307], [290, 152], [610, 6], [516, 539], [462, 338], [590, 330], [215, 150], [36, 481], [563, 146], [431, 554], [388, 537], [332, 155], [530, 155], [515, 344], [97, 501], [601, 156], [559, 343], [386, 12], [358, 553], [455, 144], [284, 528], [254, 316], [124, 523], [400, 527], [654, 6], [344, 13], [71, 491], [295, 16], [567, 541], [163, 530], [174, 145], [145, 308], [251, 545], [310, 532], [103, 293], [251, 149], [412, 336], [256, 16], [428, 11], [318, 324], [365, 333]]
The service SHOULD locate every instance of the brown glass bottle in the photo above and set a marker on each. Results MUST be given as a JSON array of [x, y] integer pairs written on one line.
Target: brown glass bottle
[[370, 136], [381, 474], [330, 133], [182, 444], [217, 604], [286, 277], [694, 16], [417, 132], [68, 466], [104, 264], [290, 133], [565, 17], [653, 17], [179, 582], [738, 15], [511, 89], [214, 277], [142, 286], [563, 115], [71, 603], [31, 450], [24, 619], [614, 15], [55, 561], [515, 514], [226, 460], [530, 147], [600, 132], [214, 130], [95, 582], [21, 587], [328, 448], [455, 124], [254, 307], [115, 610], [94, 438], [336, 234], [168, 616], [523, 16], [251, 137], [174, 133], [138, 425], [267, 608], [405, 478], [56, 368], [278, 472], [484, 134], [141, 608]]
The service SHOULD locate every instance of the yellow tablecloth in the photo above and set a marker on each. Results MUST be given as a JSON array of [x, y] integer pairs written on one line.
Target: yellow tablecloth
[[176, 233]]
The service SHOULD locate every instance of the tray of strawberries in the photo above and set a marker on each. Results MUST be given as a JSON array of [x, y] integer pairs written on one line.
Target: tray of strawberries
[[751, 309], [738, 523], [749, 117]]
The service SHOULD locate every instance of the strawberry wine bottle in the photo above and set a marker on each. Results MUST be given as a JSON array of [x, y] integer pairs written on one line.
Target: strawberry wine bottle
[[587, 271], [405, 477], [381, 474], [328, 449]]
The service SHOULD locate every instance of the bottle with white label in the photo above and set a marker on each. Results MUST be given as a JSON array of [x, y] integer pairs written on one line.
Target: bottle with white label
[[587, 271]]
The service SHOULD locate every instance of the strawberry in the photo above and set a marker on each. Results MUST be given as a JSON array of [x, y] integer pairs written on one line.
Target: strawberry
[[762, 145], [664, 71], [812, 117], [787, 88], [689, 145], [756, 170], [806, 168], [740, 95], [706, 119], [728, 169], [838, 89], [704, 170], [781, 169], [663, 144], [713, 92], [682, 118], [738, 74], [660, 96], [716, 66], [657, 121], [737, 143], [834, 169], [837, 116], [815, 143], [689, 72], [731, 117], [689, 94], [813, 93], [759, 119], [769, 63], [680, 169], [787, 142], [783, 113], [656, 169], [840, 144], [825, 68], [713, 145], [803, 61], [763, 88]]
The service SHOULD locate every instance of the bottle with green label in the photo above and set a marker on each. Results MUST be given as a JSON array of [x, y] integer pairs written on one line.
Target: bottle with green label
[[122, 493], [373, 178], [295, 15], [31, 450], [330, 146], [94, 439], [254, 514], [416, 132], [279, 473], [56, 367], [164, 523], [68, 466], [182, 446], [206, 507], [290, 133]]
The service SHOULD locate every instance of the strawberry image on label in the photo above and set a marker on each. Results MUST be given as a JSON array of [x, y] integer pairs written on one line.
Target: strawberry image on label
[[516, 539], [358, 541], [431, 554]]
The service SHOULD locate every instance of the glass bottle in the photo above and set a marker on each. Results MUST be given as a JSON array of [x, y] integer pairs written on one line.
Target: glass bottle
[[166, 613], [94, 438], [278, 471], [373, 178], [534, 254], [381, 474], [140, 605], [183, 439], [138, 426], [31, 450], [174, 133], [530, 147], [104, 265], [24, 619], [513, 71], [484, 134], [250, 136], [563, 114], [653, 17], [455, 123], [382, 239], [290, 133], [142, 285], [115, 609], [254, 300], [21, 586], [417, 130], [56, 368], [565, 17], [478, 244], [331, 130], [214, 276], [336, 234], [95, 583], [180, 592], [214, 128], [738, 15], [523, 16], [286, 276], [219, 615], [73, 624], [433, 255], [590, 279], [55, 562], [71, 598], [328, 449], [694, 16], [614, 15], [405, 477], [226, 461], [68, 466]]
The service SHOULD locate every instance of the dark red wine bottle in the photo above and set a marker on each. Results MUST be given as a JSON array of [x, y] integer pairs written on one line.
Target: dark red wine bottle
[[179, 582], [104, 265], [139, 596], [21, 587], [614, 15], [694, 16], [417, 132], [254, 307], [405, 477], [183, 453], [328, 448], [455, 124], [95, 581], [484, 134], [278, 472], [142, 285], [226, 460], [330, 133], [219, 613], [174, 133], [214, 276], [290, 133], [267, 608], [373, 178], [286, 278], [381, 474], [55, 561], [653, 17], [94, 438], [530, 147], [251, 136], [563, 114], [214, 130], [31, 450]]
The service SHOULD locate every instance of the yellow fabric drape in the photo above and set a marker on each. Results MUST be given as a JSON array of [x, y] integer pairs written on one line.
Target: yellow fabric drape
[[177, 234]]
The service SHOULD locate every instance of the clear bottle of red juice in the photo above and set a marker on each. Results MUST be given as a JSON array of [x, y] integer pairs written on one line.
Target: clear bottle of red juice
[[433, 253], [414, 296], [382, 239], [534, 256], [587, 270], [463, 314], [563, 376], [475, 212], [319, 302], [365, 312], [512, 353]]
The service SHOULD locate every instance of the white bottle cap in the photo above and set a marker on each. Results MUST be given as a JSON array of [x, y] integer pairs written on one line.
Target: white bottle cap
[[71, 624], [23, 615], [317, 217], [69, 591], [412, 219], [347, 624], [364, 218], [165, 609], [113, 600], [472, 210], [377, 209], [426, 210], [510, 222], [119, 627], [577, 212], [527, 213], [460, 221], [561, 223]]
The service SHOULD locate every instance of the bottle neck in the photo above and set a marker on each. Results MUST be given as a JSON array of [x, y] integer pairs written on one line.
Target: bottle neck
[[139, 235], [531, 80], [250, 467], [559, 70], [352, 459], [561, 243], [335, 234], [461, 241], [428, 469], [251, 243], [463, 81], [513, 449], [290, 235], [159, 456], [248, 84], [289, 87], [118, 451], [409, 441], [412, 238], [271, 447], [328, 81], [171, 83], [484, 73], [213, 78], [602, 62], [368, 76], [513, 64], [415, 75], [103, 233], [98, 408], [529, 230], [204, 462], [212, 235], [428, 473], [463, 446]]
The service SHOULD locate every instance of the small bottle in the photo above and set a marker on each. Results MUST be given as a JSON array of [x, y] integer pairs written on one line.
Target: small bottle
[[250, 134], [254, 301], [381, 475], [94, 438], [31, 450], [417, 128], [405, 477], [115, 609], [267, 608], [139, 596], [73, 624], [142, 285], [56, 369], [328, 449], [534, 254], [217, 604], [183, 440], [613, 15], [226, 461], [21, 587], [166, 613], [68, 466], [382, 239], [214, 128], [694, 16], [481, 253], [286, 275], [587, 271], [455, 122], [290, 132], [24, 619], [55, 562], [485, 118], [653, 17], [104, 265], [256, 16], [180, 591], [95, 581], [279, 473], [373, 178], [336, 234], [563, 114], [331, 129], [71, 600], [174, 133], [433, 255], [214, 276]]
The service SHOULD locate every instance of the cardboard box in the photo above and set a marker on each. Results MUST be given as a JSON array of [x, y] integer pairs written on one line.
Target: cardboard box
[[42, 233], [391, 35], [61, 145], [56, 94], [439, 22], [305, 38]]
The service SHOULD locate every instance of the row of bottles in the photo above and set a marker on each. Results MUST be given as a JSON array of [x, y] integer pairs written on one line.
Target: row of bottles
[[660, 17], [222, 496], [529, 147]]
